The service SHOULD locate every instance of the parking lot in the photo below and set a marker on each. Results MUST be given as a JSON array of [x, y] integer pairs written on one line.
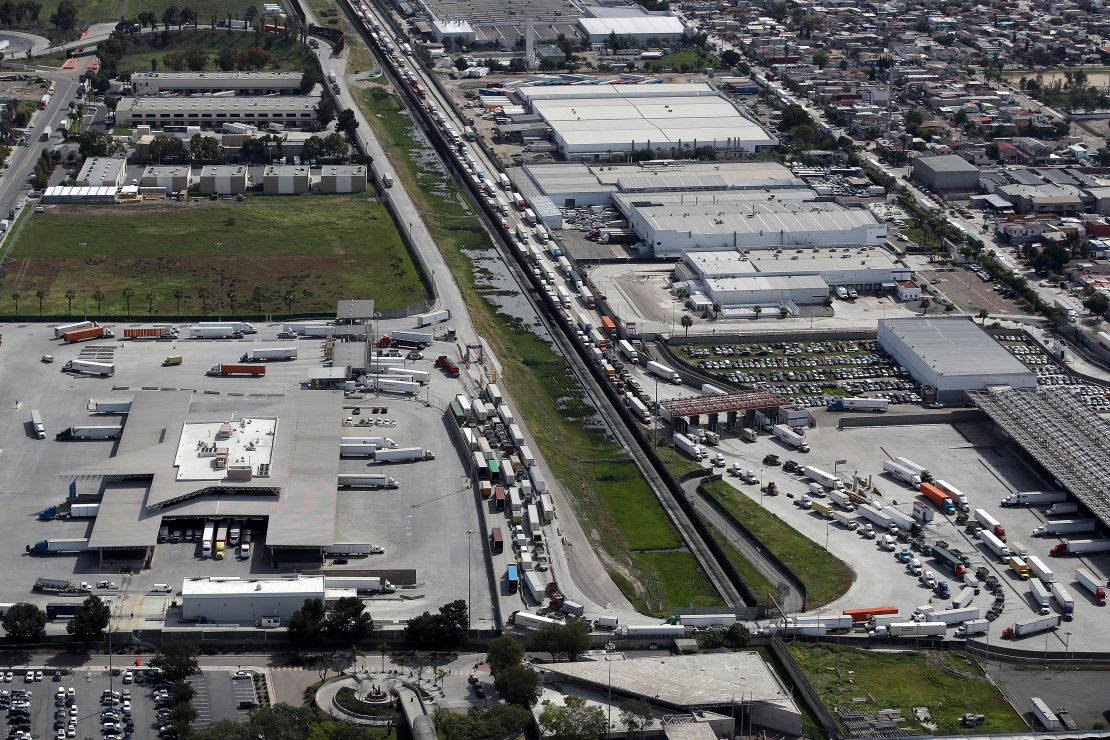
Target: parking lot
[[970, 292], [223, 695], [421, 524]]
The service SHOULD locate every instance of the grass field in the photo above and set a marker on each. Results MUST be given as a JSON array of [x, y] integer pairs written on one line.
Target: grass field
[[288, 54], [685, 59], [319, 248], [825, 576], [110, 11], [621, 515], [947, 683], [358, 59]]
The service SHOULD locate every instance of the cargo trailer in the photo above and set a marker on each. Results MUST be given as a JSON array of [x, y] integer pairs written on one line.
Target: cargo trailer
[[859, 404], [1096, 587], [954, 616], [790, 437], [1032, 626], [366, 480], [83, 335], [229, 370], [991, 524], [938, 497], [995, 545], [1040, 570], [660, 370], [60, 331], [902, 473], [1034, 498], [90, 367], [269, 354], [90, 431], [1063, 599], [150, 332], [1065, 526], [530, 621], [108, 406], [920, 470], [827, 480], [1040, 596], [917, 629]]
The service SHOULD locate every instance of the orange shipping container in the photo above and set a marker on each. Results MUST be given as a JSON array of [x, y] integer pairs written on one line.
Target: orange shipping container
[[865, 615], [80, 335]]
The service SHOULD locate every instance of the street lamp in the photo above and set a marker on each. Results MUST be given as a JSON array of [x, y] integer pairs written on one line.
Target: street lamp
[[1067, 639]]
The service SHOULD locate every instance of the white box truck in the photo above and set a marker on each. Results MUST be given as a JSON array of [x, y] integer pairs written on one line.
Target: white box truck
[[828, 480], [790, 438], [660, 370]]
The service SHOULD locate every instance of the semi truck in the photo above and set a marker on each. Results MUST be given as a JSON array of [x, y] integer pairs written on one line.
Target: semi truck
[[991, 524], [387, 384], [841, 499], [873, 515], [1096, 587], [955, 494], [224, 371], [973, 627], [995, 545], [660, 370], [1066, 306], [223, 331], [687, 445], [108, 406], [859, 404], [60, 331], [964, 597], [1063, 599], [433, 317], [902, 473], [60, 546], [372, 441], [243, 327], [1040, 570], [845, 520], [1062, 509], [150, 332], [58, 586], [827, 480], [903, 520], [866, 614], [940, 498], [954, 616], [790, 438], [89, 431], [1034, 498], [269, 354], [402, 454], [1080, 547], [1065, 526], [366, 480], [83, 335], [1040, 596], [90, 367], [950, 556], [917, 629], [411, 337], [921, 471]]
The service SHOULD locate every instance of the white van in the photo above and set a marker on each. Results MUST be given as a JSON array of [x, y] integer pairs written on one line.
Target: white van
[[161, 588], [817, 490]]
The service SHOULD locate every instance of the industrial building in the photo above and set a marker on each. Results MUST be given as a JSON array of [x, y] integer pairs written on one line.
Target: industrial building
[[719, 690], [222, 179], [171, 178], [291, 111], [639, 25], [56, 194], [194, 83], [591, 121], [343, 178], [102, 172], [673, 223], [235, 600], [286, 179], [946, 173], [952, 355]]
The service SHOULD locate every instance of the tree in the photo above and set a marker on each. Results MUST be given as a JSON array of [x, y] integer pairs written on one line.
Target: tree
[[793, 116], [70, 295], [290, 298], [250, 14], [40, 294], [570, 639], [259, 294], [730, 58], [254, 58], [498, 722], [574, 721], [310, 78], [325, 109], [757, 310], [984, 314], [686, 321], [821, 58], [196, 60], [204, 294], [65, 18], [925, 303], [518, 684], [24, 623], [147, 18], [347, 121], [737, 636], [205, 149], [178, 294], [90, 620], [227, 59], [163, 147], [128, 294], [637, 716], [177, 659], [16, 297], [446, 629], [306, 624], [503, 653], [170, 16], [150, 298], [99, 297], [232, 295], [348, 622], [1096, 303], [335, 146], [313, 149], [188, 15]]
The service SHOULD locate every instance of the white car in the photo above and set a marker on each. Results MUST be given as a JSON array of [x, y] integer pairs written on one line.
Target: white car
[[48, 359]]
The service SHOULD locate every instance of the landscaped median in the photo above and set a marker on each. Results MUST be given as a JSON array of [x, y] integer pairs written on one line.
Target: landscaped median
[[825, 576], [636, 540]]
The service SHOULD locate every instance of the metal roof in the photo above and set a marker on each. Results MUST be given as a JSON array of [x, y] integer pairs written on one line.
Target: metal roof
[[947, 163], [953, 346], [741, 401], [1063, 434]]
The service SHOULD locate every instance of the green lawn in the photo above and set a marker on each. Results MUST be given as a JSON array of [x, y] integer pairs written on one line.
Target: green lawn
[[947, 683], [825, 576], [758, 583], [622, 516], [288, 54], [319, 247], [685, 59], [107, 11]]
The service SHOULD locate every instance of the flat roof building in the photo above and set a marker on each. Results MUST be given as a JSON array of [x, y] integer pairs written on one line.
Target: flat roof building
[[99, 172], [190, 83], [172, 178], [953, 355], [670, 119], [222, 179], [235, 600], [343, 178], [665, 27], [946, 173], [292, 111], [286, 179]]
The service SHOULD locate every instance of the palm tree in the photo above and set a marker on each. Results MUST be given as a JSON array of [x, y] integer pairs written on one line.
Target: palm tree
[[15, 297], [716, 310], [150, 303], [98, 296], [40, 294], [290, 299], [687, 321], [70, 295], [231, 296], [178, 294], [984, 314], [925, 303], [259, 294], [757, 310], [783, 312], [250, 14], [203, 294], [128, 294]]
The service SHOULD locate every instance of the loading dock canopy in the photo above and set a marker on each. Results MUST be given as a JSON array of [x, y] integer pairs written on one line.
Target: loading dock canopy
[[741, 401]]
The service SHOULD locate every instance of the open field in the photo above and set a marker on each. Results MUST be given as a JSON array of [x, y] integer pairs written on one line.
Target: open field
[[288, 54], [314, 248], [622, 516], [358, 56], [110, 11], [684, 60], [947, 683], [825, 576]]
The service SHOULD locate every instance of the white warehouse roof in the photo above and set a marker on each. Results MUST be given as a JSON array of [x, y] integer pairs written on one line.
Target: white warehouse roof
[[217, 587], [640, 25]]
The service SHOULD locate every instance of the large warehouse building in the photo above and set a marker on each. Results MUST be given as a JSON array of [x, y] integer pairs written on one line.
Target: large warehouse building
[[291, 111], [664, 27], [673, 223], [191, 83], [589, 121], [946, 173], [235, 600], [952, 355]]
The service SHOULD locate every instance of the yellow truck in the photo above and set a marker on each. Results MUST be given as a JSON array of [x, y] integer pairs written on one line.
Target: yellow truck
[[171, 360], [219, 550], [1019, 566], [823, 509]]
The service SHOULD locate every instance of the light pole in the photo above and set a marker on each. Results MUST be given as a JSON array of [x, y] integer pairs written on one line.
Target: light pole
[[220, 278], [1067, 639], [84, 304], [827, 535], [468, 550]]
